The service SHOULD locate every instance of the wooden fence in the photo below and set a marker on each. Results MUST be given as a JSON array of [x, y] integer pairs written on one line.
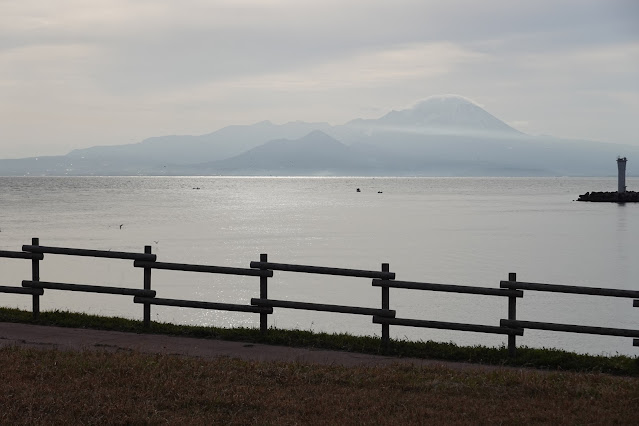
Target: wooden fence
[[384, 279]]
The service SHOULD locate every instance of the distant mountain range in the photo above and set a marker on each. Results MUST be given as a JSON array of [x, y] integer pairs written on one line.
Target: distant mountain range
[[440, 136]]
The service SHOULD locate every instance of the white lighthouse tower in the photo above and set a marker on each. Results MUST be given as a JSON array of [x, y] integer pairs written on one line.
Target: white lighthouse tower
[[621, 167]]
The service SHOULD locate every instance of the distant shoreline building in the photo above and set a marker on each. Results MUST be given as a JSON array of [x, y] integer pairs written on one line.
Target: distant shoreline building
[[621, 195], [621, 180]]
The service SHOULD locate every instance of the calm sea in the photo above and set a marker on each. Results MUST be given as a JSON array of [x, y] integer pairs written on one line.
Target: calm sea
[[468, 231]]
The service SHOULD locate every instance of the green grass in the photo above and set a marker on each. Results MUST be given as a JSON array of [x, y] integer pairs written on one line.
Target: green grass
[[551, 359]]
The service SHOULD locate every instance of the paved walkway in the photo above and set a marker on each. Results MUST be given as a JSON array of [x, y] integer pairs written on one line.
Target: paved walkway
[[48, 337]]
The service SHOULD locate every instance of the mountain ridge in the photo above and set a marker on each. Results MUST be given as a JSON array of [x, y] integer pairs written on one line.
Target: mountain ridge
[[442, 135]]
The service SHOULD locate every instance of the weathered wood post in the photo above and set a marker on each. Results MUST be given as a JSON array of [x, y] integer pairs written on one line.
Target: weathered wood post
[[385, 305], [263, 294], [147, 286], [512, 315], [635, 303], [35, 276]]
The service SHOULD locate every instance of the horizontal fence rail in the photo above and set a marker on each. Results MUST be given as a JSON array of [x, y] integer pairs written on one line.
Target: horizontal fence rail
[[556, 288], [322, 307], [89, 288], [21, 255], [203, 305], [323, 270], [21, 290], [90, 253], [202, 268], [604, 331], [448, 325], [511, 289], [448, 288]]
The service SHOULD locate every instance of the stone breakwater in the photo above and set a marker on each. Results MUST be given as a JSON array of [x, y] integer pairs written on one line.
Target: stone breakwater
[[610, 197]]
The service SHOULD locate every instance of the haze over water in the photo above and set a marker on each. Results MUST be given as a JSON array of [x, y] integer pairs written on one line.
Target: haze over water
[[468, 231]]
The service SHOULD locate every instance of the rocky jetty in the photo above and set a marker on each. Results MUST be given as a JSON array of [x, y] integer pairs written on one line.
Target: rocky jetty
[[610, 197]]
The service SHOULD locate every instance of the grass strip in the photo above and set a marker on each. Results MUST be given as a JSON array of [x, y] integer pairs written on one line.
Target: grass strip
[[550, 359]]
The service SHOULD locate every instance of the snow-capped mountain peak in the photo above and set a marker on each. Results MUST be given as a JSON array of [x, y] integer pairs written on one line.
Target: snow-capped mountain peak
[[446, 114]]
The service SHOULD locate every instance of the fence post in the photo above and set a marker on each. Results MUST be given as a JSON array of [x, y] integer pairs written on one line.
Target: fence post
[[385, 305], [635, 303], [512, 315], [263, 295], [147, 286], [35, 276]]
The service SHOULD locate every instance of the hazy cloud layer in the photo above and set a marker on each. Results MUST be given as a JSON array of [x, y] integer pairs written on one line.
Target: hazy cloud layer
[[75, 73]]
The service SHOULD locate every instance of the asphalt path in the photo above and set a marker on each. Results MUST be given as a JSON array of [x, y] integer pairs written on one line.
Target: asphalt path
[[76, 339]]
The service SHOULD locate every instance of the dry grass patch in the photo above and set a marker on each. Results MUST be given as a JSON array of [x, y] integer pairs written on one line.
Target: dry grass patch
[[98, 387]]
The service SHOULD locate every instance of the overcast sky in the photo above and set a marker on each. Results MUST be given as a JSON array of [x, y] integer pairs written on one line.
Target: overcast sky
[[78, 73]]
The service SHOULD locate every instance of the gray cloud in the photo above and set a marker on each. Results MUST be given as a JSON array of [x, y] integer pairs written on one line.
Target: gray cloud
[[112, 71]]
